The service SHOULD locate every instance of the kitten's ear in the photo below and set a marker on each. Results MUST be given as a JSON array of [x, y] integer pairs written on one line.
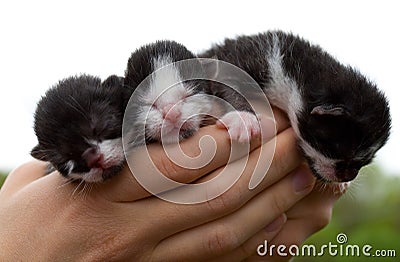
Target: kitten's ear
[[39, 153], [211, 67], [113, 80], [330, 110]]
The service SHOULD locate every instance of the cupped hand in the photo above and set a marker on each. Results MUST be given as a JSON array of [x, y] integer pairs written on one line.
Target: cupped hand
[[46, 219]]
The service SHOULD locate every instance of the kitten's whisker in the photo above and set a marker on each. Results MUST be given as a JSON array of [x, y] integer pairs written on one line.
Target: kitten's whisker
[[65, 182], [351, 191], [84, 190], [81, 192], [90, 187], [320, 186], [87, 190], [80, 183]]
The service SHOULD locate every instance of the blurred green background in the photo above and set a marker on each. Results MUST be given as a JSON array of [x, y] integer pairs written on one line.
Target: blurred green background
[[2, 178], [369, 213]]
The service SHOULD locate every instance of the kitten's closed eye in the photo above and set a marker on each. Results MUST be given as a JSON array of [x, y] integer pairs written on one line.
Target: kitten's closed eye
[[330, 110]]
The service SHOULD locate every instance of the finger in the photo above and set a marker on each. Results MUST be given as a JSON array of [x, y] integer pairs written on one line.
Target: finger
[[230, 232], [248, 248], [317, 205], [125, 187], [181, 217], [23, 175], [294, 233], [152, 160], [308, 216], [322, 198]]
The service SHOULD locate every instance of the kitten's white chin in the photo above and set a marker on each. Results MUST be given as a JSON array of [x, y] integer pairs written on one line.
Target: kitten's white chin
[[327, 172], [93, 176]]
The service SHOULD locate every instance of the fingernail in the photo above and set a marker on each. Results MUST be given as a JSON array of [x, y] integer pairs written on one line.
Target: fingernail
[[303, 180], [268, 129], [277, 223]]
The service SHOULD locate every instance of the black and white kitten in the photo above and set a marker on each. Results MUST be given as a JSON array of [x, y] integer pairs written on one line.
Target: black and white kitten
[[340, 117], [78, 125], [164, 102], [174, 99]]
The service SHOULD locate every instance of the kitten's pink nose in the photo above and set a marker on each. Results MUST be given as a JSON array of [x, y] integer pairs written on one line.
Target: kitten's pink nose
[[171, 113], [93, 157]]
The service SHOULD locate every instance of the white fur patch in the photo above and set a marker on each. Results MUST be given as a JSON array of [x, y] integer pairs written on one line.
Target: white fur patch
[[241, 125], [341, 188], [70, 165], [93, 176], [166, 85], [113, 153], [282, 91], [324, 166], [112, 150], [170, 104]]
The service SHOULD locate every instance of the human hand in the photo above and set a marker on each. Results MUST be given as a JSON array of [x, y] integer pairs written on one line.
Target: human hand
[[45, 221], [306, 217]]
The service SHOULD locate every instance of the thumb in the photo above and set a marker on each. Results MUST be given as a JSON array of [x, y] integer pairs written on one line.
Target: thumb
[[24, 175]]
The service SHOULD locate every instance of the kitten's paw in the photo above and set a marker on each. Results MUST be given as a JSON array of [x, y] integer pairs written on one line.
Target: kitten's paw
[[241, 125]]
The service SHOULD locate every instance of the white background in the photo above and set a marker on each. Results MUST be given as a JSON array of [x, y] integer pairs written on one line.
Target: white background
[[42, 42]]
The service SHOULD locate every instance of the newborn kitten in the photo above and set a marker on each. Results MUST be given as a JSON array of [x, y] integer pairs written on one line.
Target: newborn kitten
[[78, 125], [169, 106], [340, 118]]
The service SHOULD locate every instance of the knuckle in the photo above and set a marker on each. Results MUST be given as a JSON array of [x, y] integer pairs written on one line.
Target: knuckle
[[168, 168], [221, 240], [322, 220], [109, 245], [277, 203], [279, 163], [226, 202], [247, 249]]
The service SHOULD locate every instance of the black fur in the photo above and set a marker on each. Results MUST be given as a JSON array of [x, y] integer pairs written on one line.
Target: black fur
[[353, 136], [344, 116], [140, 63], [73, 111]]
